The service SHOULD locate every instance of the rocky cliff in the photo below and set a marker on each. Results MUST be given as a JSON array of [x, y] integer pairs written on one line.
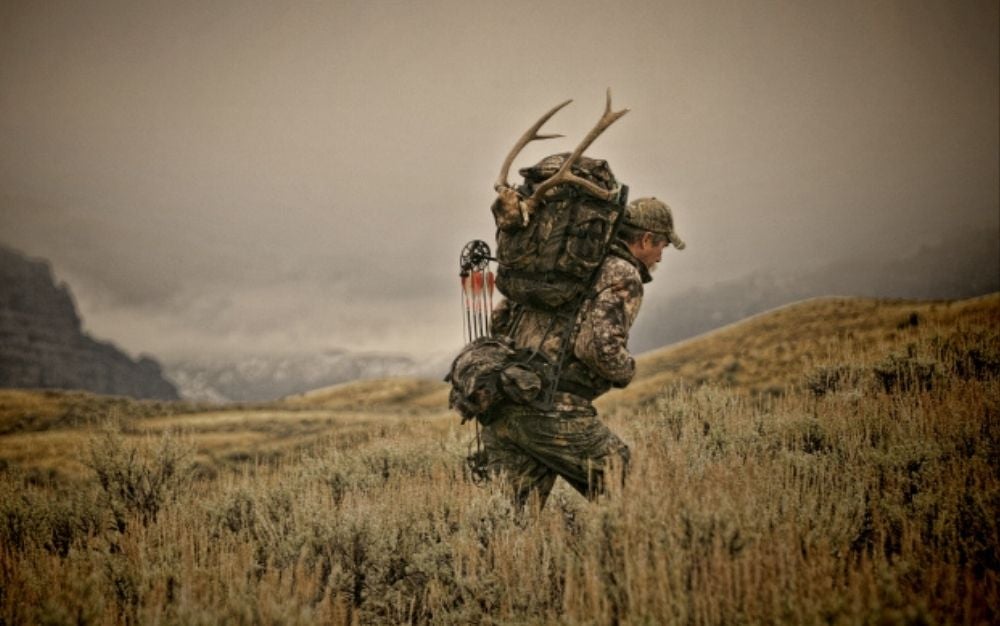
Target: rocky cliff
[[42, 344]]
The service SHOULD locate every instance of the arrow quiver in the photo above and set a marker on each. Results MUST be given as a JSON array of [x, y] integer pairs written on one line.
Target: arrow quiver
[[478, 283]]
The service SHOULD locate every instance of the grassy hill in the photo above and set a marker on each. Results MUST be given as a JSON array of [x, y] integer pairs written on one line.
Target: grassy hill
[[767, 354], [399, 394], [832, 461], [773, 351]]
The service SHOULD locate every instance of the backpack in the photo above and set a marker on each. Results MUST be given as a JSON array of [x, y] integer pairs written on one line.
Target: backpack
[[550, 263]]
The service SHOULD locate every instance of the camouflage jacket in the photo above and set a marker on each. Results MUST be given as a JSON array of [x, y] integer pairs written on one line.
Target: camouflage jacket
[[600, 358]]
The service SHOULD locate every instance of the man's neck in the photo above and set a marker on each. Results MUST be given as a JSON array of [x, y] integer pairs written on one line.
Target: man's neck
[[625, 251]]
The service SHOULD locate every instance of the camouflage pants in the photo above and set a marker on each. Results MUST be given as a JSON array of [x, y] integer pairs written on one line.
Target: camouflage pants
[[532, 449]]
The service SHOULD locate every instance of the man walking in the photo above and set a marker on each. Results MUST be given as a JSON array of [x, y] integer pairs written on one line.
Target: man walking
[[532, 447]]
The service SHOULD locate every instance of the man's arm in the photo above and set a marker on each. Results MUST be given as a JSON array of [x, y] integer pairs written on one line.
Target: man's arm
[[602, 342]]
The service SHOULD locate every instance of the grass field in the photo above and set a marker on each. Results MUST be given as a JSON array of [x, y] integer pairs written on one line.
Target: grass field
[[832, 462]]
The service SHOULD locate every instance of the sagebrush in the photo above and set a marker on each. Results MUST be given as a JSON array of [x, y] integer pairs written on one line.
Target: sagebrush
[[845, 499]]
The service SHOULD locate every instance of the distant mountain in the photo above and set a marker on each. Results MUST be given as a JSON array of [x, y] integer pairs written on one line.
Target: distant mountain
[[42, 344], [962, 267], [259, 378]]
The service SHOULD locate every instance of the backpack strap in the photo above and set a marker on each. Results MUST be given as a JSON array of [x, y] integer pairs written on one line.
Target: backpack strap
[[576, 389]]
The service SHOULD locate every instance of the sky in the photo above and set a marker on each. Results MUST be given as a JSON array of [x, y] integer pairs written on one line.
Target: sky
[[245, 177]]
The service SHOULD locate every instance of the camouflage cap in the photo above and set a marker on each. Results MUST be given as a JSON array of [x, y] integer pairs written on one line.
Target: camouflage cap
[[655, 216]]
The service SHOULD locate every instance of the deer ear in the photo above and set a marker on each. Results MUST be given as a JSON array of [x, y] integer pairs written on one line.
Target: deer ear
[[507, 211]]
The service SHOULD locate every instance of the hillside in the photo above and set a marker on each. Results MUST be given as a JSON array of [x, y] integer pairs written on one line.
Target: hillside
[[764, 354], [963, 265], [833, 461], [787, 350], [767, 353], [392, 394], [960, 267]]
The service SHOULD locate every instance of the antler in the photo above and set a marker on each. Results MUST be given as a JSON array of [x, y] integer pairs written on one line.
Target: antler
[[564, 175], [510, 204], [529, 135]]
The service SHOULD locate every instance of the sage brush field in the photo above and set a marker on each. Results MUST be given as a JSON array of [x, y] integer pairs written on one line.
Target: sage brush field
[[865, 488]]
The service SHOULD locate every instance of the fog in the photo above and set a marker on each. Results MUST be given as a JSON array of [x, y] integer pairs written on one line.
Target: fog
[[251, 177]]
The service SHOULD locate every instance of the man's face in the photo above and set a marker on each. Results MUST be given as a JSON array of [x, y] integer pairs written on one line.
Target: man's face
[[649, 249]]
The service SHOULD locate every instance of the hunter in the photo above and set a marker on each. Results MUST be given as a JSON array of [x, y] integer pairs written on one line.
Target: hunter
[[532, 447]]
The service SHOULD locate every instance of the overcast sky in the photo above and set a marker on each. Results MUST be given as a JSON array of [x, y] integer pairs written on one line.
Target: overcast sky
[[237, 177]]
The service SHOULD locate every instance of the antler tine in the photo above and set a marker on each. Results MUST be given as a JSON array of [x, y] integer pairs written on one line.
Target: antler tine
[[529, 135], [565, 174]]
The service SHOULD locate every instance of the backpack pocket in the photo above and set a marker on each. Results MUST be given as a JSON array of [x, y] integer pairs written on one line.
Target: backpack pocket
[[587, 239], [488, 371]]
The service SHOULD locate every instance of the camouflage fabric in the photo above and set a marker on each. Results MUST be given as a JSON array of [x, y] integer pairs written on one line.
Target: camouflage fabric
[[594, 170], [487, 371], [600, 358], [547, 256], [508, 206], [533, 447], [605, 320], [655, 216]]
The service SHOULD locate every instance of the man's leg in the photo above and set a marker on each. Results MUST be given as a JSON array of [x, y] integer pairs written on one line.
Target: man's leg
[[580, 449], [528, 477]]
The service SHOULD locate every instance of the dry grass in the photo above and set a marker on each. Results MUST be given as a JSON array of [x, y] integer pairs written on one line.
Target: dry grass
[[218, 438], [866, 491], [766, 354], [25, 410], [399, 394]]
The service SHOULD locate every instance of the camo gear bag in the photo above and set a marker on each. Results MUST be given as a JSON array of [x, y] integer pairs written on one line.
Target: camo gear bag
[[490, 370]]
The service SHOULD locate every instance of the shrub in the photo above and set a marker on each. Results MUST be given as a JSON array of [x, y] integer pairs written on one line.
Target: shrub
[[834, 378], [54, 520], [138, 479], [906, 372]]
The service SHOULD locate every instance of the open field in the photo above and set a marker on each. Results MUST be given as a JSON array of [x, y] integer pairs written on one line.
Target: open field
[[836, 461]]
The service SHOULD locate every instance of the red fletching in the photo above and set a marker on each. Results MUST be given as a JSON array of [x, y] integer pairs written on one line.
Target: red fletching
[[477, 297], [477, 290]]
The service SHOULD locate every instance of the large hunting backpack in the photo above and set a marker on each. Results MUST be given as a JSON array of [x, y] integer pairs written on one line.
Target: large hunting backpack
[[552, 236], [550, 263]]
